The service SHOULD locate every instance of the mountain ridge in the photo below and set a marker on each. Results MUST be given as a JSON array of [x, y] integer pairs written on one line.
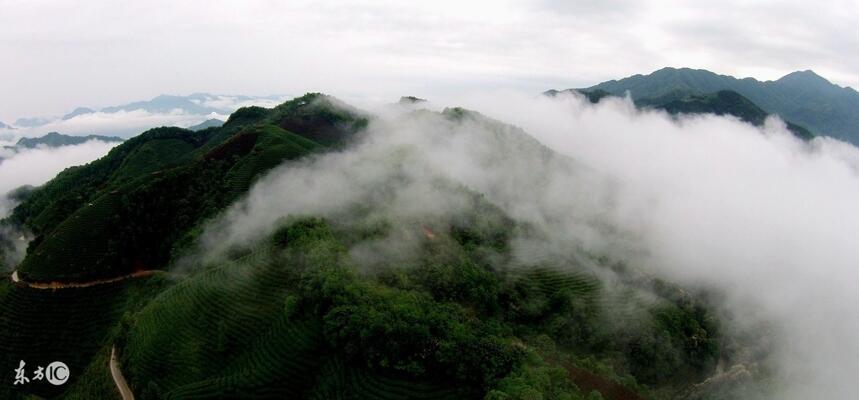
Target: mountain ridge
[[198, 103], [802, 97], [295, 308], [56, 139]]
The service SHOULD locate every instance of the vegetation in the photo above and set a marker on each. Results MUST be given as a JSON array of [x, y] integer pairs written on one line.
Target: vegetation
[[151, 191], [72, 325], [299, 315]]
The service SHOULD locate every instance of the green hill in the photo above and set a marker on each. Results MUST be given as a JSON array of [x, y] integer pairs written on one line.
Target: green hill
[[149, 193], [723, 102], [55, 139], [298, 314], [803, 97]]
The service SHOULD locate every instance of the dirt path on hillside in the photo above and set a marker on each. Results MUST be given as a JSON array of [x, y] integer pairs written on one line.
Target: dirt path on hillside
[[609, 390], [72, 285], [118, 379]]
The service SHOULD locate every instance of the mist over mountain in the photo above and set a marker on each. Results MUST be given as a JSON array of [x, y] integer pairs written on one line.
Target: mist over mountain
[[197, 103], [415, 251], [494, 200], [723, 102], [129, 119], [803, 97], [78, 111]]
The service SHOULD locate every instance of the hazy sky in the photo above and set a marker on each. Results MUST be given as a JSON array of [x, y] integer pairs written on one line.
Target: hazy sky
[[55, 55]]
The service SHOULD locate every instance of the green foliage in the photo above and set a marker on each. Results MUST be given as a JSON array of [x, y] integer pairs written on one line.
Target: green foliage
[[320, 118], [50, 204], [297, 316], [71, 325], [137, 207], [137, 224], [536, 379], [408, 332]]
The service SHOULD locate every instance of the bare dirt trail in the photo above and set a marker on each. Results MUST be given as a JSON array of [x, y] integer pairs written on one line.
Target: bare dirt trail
[[591, 382], [118, 379], [72, 285]]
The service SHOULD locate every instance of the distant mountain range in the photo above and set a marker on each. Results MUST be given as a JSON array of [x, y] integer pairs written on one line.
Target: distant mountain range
[[723, 102], [802, 98], [209, 123], [197, 103], [55, 139], [203, 104], [4, 126]]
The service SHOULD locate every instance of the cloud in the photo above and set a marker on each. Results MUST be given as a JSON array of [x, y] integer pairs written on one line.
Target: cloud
[[709, 202], [36, 166], [135, 121], [384, 49], [232, 103], [121, 123]]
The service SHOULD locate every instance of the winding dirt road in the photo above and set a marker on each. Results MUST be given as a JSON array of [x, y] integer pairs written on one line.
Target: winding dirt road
[[115, 372], [118, 379], [72, 285]]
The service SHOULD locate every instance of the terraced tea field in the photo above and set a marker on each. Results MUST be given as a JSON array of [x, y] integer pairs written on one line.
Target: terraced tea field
[[69, 325]]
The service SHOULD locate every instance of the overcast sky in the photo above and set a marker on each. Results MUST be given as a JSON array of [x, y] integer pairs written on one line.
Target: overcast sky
[[56, 55]]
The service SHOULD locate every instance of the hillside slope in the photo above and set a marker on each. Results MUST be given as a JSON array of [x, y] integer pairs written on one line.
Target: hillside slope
[[801, 97], [373, 302], [127, 211]]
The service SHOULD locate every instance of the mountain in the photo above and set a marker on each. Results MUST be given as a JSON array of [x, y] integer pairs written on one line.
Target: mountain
[[203, 104], [55, 139], [4, 126], [296, 313], [209, 123], [194, 104], [197, 103], [803, 98], [408, 100], [723, 102], [78, 111]]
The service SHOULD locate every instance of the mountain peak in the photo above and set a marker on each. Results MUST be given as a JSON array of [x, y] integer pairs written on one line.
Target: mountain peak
[[78, 111], [684, 70], [56, 139], [807, 77]]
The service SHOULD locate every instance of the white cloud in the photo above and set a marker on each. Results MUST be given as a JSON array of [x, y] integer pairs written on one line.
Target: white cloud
[[236, 102], [133, 122], [37, 166], [754, 213], [385, 49], [121, 123]]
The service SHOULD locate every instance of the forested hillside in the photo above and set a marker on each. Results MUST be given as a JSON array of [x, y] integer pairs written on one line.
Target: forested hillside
[[367, 303], [803, 97]]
